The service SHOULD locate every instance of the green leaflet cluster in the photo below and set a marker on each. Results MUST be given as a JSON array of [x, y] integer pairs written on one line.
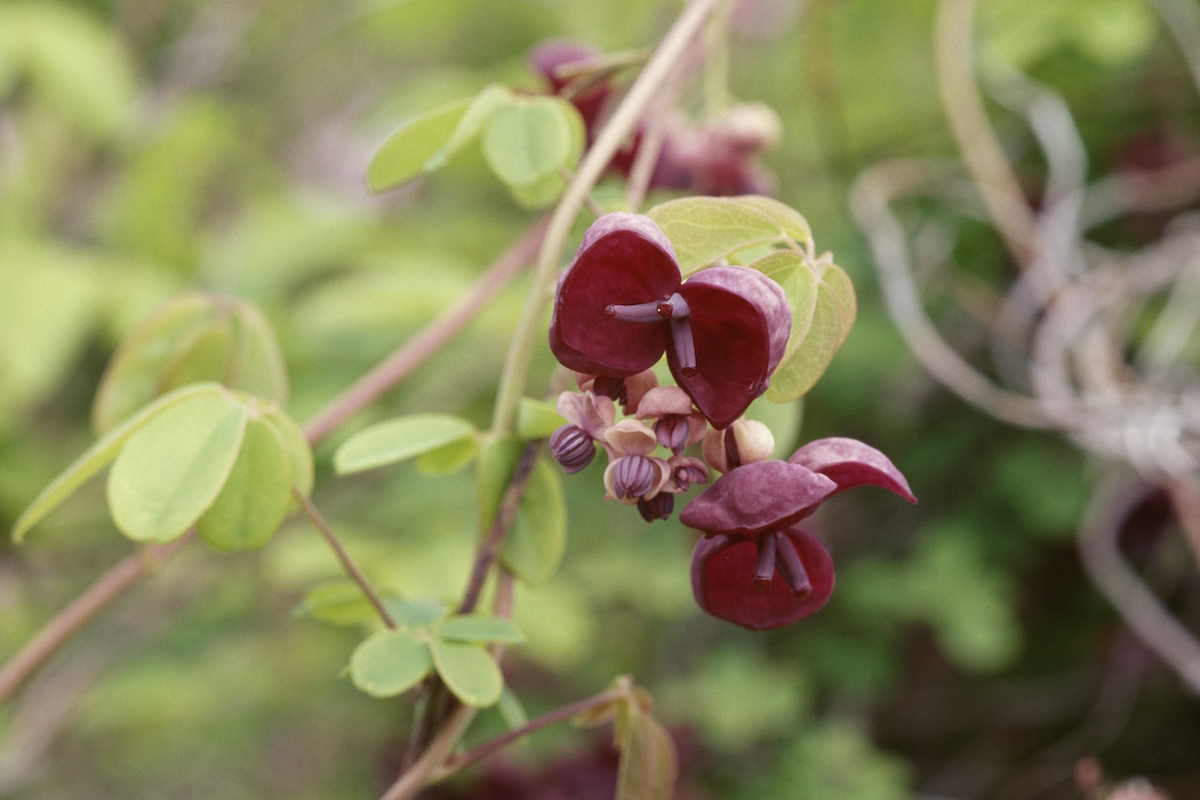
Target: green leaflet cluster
[[528, 142]]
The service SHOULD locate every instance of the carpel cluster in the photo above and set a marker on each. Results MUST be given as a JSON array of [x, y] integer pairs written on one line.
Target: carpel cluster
[[620, 306]]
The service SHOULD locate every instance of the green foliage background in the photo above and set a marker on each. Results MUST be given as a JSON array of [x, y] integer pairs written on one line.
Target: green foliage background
[[149, 147]]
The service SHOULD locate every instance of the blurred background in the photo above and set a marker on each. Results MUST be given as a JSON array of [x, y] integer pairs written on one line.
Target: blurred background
[[152, 146]]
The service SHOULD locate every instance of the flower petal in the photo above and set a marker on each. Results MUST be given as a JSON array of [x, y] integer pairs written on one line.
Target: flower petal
[[851, 463], [765, 495], [625, 259], [740, 322]]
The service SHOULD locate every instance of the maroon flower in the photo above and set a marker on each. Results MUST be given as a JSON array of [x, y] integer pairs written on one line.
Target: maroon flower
[[748, 518], [621, 304], [728, 582]]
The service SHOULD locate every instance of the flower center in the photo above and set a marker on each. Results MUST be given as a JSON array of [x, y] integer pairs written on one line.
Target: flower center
[[673, 309], [776, 552]]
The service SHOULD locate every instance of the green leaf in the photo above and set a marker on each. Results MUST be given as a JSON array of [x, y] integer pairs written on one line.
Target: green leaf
[[295, 449], [255, 498], [791, 222], [512, 710], [194, 338], [648, 766], [338, 603], [448, 458], [99, 455], [833, 317], [528, 139], [173, 467], [388, 662], [705, 229], [476, 628], [471, 123], [404, 155], [538, 194], [537, 419], [469, 671], [799, 282], [534, 547], [134, 373], [422, 613], [497, 462], [398, 439]]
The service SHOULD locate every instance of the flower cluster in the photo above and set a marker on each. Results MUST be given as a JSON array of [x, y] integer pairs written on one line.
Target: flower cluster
[[618, 309]]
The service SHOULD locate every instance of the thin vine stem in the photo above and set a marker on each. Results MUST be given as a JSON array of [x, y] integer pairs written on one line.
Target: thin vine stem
[[352, 569], [619, 126]]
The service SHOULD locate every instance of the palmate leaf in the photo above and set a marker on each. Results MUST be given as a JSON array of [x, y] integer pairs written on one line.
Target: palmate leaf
[[469, 671], [405, 154], [389, 662], [256, 495], [529, 143], [705, 229], [832, 318], [101, 454], [476, 628]]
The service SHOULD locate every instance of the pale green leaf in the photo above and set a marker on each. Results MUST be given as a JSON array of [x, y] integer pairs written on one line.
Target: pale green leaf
[[338, 603], [173, 467], [99, 455], [398, 439], [497, 462], [527, 139], [534, 547], [832, 320], [469, 671], [705, 229], [256, 494], [134, 374], [799, 283], [448, 458], [537, 419], [388, 662], [538, 194], [295, 447], [476, 628], [648, 766], [405, 153], [471, 123], [420, 613], [202, 355], [791, 222], [512, 710], [256, 364]]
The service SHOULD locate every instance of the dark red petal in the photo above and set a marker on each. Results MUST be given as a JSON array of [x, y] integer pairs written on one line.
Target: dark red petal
[[740, 323], [851, 463], [625, 259], [723, 581], [765, 495]]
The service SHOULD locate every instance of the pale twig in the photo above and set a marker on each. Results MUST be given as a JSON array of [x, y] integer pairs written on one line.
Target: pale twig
[[344, 558], [869, 200], [973, 132], [107, 588], [1100, 553], [417, 350]]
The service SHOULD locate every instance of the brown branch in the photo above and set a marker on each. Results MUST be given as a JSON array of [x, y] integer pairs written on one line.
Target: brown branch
[[82, 610], [417, 350], [348, 564], [486, 556], [491, 746]]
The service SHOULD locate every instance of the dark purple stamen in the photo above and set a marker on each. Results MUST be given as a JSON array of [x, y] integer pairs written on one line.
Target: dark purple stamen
[[733, 458], [685, 476], [792, 570], [609, 386], [672, 431], [658, 507], [764, 566]]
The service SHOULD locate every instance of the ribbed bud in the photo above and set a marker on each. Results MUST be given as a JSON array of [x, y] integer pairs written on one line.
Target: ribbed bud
[[686, 471], [672, 431], [572, 447], [658, 507], [608, 386], [633, 476]]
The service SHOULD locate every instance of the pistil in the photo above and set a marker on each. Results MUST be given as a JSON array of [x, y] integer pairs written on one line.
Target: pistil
[[790, 567], [764, 566], [673, 309]]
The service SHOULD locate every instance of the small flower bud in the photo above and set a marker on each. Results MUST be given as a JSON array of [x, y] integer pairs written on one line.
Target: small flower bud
[[607, 386], [658, 507], [672, 432], [631, 437], [744, 442], [572, 447], [631, 477], [684, 472]]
